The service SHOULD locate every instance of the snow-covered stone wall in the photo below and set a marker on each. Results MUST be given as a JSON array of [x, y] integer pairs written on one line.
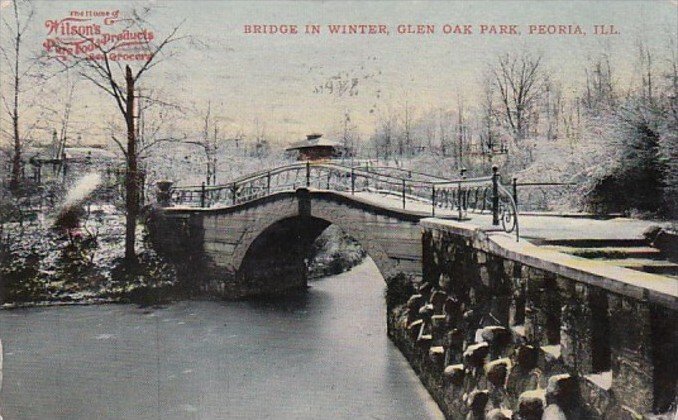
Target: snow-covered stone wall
[[498, 328]]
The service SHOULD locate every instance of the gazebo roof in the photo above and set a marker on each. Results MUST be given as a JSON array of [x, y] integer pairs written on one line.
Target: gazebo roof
[[313, 140]]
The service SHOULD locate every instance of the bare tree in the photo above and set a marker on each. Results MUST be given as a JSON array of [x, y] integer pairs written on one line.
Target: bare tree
[[600, 92], [348, 134], [106, 72], [645, 66], [488, 118], [58, 110], [461, 129], [443, 130], [209, 145], [405, 139], [430, 130], [519, 79], [16, 28], [553, 107], [261, 146], [386, 134]]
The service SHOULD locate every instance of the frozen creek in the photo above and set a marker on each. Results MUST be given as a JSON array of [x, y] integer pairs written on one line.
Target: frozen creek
[[322, 353]]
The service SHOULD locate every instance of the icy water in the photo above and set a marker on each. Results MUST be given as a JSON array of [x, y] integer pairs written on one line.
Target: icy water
[[317, 354]]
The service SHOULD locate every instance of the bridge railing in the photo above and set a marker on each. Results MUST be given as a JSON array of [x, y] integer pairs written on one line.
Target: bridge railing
[[460, 196]]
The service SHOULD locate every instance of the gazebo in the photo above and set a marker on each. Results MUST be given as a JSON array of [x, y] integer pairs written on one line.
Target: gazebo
[[315, 147]]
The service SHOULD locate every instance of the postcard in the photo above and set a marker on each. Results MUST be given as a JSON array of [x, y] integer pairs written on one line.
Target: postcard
[[338, 209]]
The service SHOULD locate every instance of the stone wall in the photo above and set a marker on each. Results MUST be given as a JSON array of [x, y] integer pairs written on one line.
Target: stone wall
[[497, 329]]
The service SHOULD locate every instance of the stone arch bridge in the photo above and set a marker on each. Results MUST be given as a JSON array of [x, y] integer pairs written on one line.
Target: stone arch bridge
[[252, 236]]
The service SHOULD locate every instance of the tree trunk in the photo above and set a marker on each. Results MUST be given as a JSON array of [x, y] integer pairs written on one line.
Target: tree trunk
[[131, 179], [16, 158]]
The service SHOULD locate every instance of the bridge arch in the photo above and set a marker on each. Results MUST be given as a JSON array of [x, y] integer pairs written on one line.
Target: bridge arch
[[277, 250]]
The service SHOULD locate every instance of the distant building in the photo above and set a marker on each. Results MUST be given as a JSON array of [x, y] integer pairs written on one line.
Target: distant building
[[73, 162], [315, 147]]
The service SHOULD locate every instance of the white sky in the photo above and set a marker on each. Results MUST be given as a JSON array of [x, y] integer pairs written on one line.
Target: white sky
[[273, 78]]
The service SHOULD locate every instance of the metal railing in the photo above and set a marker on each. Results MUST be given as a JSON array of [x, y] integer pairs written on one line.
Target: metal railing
[[462, 195]]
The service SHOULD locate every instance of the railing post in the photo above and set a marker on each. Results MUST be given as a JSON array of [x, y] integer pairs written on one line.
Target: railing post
[[234, 190], [515, 191], [403, 193], [433, 199], [464, 204], [202, 195], [459, 200], [268, 183], [329, 175], [308, 174], [495, 195], [352, 181]]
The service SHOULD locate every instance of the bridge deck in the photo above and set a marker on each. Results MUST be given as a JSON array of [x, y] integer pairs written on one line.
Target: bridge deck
[[539, 227]]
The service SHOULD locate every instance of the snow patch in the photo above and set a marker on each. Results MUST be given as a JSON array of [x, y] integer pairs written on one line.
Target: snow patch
[[553, 350], [519, 329], [603, 379]]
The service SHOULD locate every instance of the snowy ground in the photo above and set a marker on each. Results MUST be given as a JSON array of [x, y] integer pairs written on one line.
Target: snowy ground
[[41, 264]]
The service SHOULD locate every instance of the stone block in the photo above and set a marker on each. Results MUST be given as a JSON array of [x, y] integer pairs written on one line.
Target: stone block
[[454, 343], [452, 308], [438, 327], [500, 307], [438, 300], [485, 278], [425, 313], [562, 390], [476, 402], [454, 375], [475, 354], [496, 371], [444, 281], [527, 357], [509, 268], [425, 341], [437, 356], [576, 337], [425, 290], [631, 349], [415, 302], [531, 404], [414, 329], [497, 337]]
